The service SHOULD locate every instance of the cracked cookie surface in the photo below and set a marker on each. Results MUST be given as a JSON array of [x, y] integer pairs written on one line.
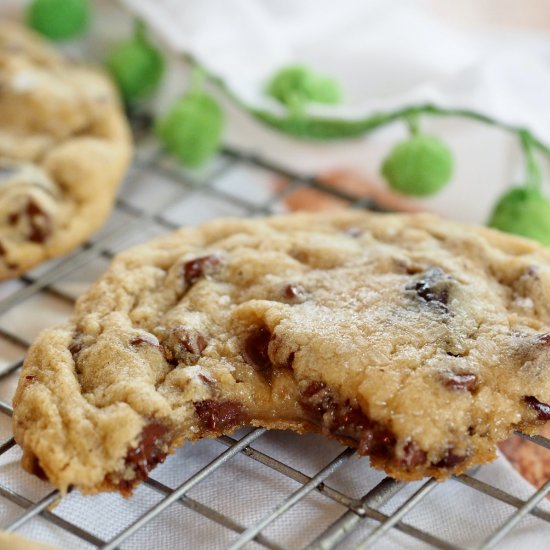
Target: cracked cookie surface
[[420, 341], [64, 147]]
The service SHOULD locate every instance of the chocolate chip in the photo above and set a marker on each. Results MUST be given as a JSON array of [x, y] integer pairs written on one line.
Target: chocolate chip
[[411, 269], [40, 222], [346, 420], [194, 270], [542, 409], [413, 455], [3, 250], [148, 452], [316, 399], [30, 377], [433, 288], [459, 382], [294, 293], [376, 441], [543, 339], [219, 415], [145, 338], [350, 419], [183, 344], [75, 347], [13, 218], [312, 388], [450, 459], [255, 349]]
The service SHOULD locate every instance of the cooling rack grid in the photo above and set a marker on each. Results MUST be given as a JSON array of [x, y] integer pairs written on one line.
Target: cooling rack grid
[[234, 185]]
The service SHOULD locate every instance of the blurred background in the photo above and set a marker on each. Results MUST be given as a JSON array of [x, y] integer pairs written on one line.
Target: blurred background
[[489, 56]]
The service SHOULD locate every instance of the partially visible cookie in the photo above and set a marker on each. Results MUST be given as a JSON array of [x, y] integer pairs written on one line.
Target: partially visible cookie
[[64, 147], [12, 541], [420, 341]]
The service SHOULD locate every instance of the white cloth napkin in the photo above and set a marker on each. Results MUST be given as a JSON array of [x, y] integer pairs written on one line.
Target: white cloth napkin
[[385, 55]]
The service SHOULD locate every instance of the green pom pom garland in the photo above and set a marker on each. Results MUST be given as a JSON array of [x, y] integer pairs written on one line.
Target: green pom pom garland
[[192, 128], [136, 66], [420, 166], [295, 86], [523, 211], [59, 19]]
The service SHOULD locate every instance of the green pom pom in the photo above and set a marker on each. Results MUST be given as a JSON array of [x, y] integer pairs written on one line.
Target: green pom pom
[[523, 211], [419, 166], [192, 128], [296, 85], [136, 66], [59, 19]]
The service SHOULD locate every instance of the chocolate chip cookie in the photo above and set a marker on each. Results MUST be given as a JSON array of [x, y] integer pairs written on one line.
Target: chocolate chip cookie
[[420, 341], [13, 541], [64, 147]]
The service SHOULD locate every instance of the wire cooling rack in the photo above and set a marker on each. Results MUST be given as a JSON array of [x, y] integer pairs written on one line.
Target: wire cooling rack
[[234, 185]]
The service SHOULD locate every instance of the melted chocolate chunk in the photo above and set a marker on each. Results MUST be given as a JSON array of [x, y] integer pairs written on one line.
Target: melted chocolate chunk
[[450, 459], [433, 288], [145, 338], [312, 388], [39, 221], [316, 400], [146, 455], [194, 270], [377, 441], [255, 350], [219, 415], [294, 293], [542, 409], [413, 455], [343, 419], [183, 344], [459, 382]]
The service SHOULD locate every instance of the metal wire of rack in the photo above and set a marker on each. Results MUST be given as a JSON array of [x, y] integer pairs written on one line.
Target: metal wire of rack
[[132, 213]]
